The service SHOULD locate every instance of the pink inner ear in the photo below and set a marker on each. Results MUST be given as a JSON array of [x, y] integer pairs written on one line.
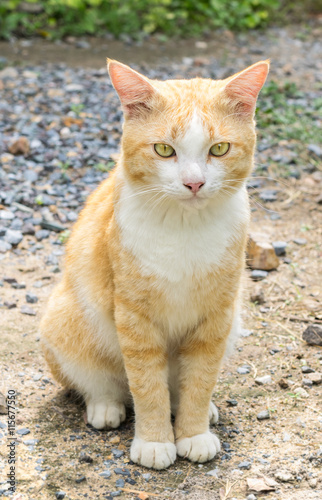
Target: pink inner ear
[[244, 88], [131, 86]]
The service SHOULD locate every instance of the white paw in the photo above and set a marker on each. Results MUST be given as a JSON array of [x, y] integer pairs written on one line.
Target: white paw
[[101, 414], [153, 454], [213, 414], [199, 448]]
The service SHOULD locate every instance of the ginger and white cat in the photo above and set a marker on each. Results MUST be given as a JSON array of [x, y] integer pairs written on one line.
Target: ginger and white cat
[[150, 295]]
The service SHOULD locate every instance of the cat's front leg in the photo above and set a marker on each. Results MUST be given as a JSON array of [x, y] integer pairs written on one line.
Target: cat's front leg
[[146, 366], [199, 359]]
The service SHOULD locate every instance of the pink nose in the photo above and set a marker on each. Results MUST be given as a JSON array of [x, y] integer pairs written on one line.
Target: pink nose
[[194, 186]]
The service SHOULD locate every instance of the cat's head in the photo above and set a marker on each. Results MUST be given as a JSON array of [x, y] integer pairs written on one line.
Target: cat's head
[[193, 140]]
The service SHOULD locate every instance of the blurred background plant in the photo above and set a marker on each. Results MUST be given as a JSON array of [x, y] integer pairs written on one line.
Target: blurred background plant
[[137, 18]]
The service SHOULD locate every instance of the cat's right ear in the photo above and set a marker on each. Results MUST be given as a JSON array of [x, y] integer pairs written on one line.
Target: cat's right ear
[[134, 90]]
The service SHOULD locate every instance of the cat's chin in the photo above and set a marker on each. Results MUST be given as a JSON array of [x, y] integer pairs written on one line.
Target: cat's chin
[[194, 203]]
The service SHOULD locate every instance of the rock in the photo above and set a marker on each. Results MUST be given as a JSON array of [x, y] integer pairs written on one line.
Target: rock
[[261, 484], [20, 147], [52, 226], [42, 234], [231, 402], [30, 175], [307, 369], [83, 458], [119, 483], [243, 370], [27, 310], [315, 149], [213, 473], [82, 44], [251, 497], [245, 333], [4, 246], [257, 295], [60, 495], [266, 379], [313, 482], [13, 237], [6, 215], [3, 405], [122, 472], [257, 275], [9, 73], [284, 476], [306, 382], [147, 476], [28, 228], [117, 453], [279, 247], [313, 335], [301, 392], [106, 474], [245, 465], [80, 479], [31, 298], [263, 415], [261, 254], [23, 432], [268, 195], [318, 199], [10, 304], [316, 378], [74, 87], [300, 241]]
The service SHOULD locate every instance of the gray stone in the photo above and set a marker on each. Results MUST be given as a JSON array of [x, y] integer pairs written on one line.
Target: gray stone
[[27, 310], [60, 495], [243, 370], [279, 247], [42, 234], [314, 148], [13, 237], [263, 415], [106, 474], [6, 215], [300, 241], [266, 379], [4, 246], [268, 195], [245, 465], [307, 369], [31, 298], [258, 275], [23, 432], [312, 335], [30, 175]]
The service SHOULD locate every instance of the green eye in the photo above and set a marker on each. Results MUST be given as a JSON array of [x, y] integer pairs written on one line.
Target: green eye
[[219, 149], [164, 150]]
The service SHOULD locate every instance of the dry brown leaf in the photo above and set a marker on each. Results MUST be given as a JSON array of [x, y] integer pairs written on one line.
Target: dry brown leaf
[[261, 484]]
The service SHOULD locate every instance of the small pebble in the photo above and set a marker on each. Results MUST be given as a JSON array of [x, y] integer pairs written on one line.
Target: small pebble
[[266, 379], [245, 465], [263, 415], [60, 495], [300, 241], [31, 298], [279, 247], [258, 275], [243, 370]]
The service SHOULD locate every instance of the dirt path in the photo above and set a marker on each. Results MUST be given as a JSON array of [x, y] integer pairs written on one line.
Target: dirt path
[[58, 455]]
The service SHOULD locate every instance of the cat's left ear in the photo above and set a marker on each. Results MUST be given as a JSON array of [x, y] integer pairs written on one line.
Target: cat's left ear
[[243, 88], [134, 90]]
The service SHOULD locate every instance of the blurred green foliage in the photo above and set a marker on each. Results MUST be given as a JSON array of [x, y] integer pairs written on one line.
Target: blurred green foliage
[[57, 18]]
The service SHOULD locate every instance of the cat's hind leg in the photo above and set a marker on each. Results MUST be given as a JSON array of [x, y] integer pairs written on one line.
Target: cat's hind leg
[[105, 394]]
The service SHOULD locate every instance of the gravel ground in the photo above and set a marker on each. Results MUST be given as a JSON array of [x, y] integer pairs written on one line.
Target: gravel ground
[[60, 130]]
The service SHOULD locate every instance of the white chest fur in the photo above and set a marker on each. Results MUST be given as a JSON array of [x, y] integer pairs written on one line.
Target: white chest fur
[[172, 243]]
